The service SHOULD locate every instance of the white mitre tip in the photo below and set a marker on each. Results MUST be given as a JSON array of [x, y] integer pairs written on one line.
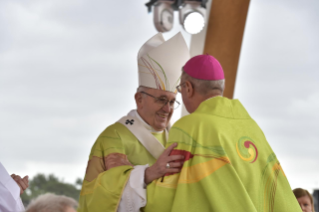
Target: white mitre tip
[[160, 62]]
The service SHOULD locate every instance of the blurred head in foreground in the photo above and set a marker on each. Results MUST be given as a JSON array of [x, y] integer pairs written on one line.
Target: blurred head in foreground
[[304, 199], [52, 203]]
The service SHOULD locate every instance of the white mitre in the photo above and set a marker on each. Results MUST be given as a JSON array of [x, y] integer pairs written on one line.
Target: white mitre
[[160, 62]]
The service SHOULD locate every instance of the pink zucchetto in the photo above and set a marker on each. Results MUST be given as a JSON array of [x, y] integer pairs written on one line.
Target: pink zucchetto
[[204, 67]]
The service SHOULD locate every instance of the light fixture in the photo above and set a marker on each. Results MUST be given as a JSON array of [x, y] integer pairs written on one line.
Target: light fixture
[[163, 16], [191, 14]]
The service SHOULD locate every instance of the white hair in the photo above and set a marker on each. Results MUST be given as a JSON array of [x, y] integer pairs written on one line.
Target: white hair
[[206, 87], [142, 88], [51, 203]]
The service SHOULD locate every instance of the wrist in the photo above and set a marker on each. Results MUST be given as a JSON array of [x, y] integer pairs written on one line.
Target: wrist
[[148, 176]]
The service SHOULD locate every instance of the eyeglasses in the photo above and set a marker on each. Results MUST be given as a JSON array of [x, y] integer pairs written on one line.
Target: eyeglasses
[[173, 104], [179, 87]]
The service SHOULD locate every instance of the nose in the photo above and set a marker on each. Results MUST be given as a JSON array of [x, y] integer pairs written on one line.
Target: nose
[[167, 108]]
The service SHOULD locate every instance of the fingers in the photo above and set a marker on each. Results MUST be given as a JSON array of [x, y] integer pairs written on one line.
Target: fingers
[[159, 168], [126, 162], [173, 170], [175, 165], [169, 149], [116, 159], [18, 180], [178, 158], [22, 183], [26, 180], [16, 177]]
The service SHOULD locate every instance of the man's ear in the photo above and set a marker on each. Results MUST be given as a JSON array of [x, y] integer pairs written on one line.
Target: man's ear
[[189, 89], [138, 99]]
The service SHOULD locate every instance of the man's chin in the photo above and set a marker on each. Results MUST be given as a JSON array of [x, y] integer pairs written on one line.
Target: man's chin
[[160, 126]]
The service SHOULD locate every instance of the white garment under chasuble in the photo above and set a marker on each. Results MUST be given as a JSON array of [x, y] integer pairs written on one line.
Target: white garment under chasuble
[[134, 194], [143, 132]]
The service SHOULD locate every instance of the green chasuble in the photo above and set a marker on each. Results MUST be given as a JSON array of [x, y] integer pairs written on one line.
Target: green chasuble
[[101, 189], [228, 166]]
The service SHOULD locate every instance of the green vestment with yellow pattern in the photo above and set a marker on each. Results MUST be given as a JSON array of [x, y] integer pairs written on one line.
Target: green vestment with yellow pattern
[[228, 166], [102, 189]]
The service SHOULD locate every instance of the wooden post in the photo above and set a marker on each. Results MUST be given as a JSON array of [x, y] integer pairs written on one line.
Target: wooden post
[[225, 29], [222, 37]]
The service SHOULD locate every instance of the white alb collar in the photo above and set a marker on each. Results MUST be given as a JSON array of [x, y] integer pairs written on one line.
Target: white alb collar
[[135, 114]]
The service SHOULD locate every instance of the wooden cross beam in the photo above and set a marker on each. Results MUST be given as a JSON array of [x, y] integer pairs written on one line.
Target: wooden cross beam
[[222, 37]]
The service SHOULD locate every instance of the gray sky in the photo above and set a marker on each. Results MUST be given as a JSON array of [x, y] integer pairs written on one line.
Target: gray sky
[[68, 69]]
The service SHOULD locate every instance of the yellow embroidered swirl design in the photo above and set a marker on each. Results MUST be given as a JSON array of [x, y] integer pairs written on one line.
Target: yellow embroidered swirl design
[[246, 149]]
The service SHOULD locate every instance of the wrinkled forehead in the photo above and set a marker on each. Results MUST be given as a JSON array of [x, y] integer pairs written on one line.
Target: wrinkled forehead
[[161, 93], [304, 199]]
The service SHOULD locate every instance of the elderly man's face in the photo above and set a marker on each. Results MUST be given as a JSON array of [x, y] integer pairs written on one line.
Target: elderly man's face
[[153, 111]]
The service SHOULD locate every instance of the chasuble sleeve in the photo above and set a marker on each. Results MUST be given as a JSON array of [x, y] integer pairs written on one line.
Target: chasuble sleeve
[[104, 182]]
